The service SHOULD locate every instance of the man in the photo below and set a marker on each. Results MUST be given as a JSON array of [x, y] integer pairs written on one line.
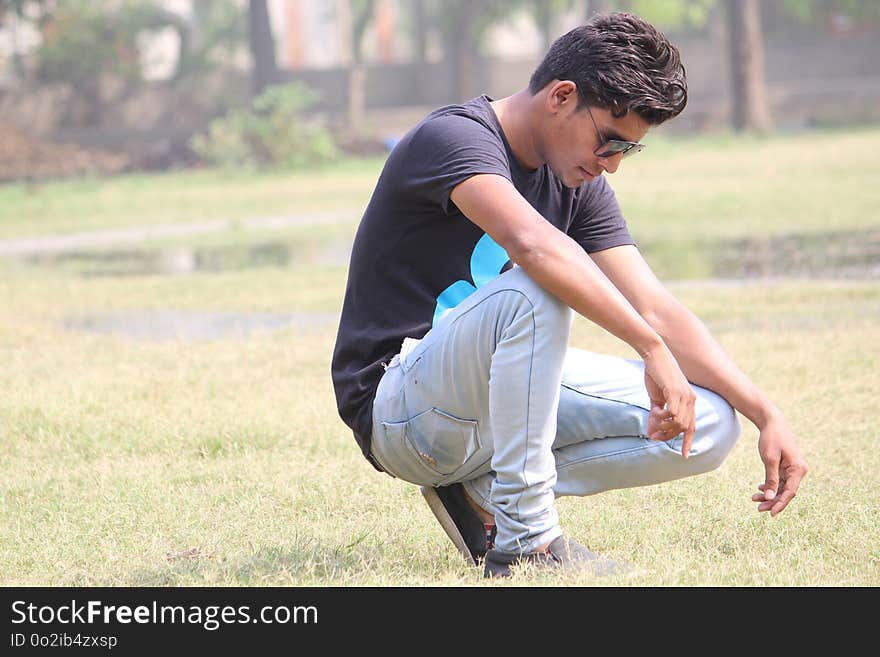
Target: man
[[490, 224]]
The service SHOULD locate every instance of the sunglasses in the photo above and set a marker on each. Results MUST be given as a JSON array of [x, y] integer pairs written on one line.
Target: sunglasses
[[611, 147]]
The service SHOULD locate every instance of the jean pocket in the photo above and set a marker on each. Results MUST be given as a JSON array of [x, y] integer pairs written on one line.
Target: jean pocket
[[441, 442]]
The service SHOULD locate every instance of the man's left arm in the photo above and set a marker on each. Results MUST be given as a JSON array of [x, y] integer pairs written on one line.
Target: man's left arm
[[706, 364]]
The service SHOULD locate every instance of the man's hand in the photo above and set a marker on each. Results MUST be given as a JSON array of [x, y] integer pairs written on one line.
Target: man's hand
[[672, 399], [784, 466]]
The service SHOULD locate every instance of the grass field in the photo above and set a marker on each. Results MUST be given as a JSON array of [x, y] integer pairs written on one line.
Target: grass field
[[223, 462]]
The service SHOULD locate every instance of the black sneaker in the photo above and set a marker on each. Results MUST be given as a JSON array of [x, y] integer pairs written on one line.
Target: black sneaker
[[562, 553], [460, 522]]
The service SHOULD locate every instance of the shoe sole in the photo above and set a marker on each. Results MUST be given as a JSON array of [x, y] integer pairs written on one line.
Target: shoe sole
[[446, 522]]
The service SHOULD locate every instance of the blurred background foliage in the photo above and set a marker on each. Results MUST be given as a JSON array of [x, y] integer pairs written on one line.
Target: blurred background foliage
[[273, 132], [86, 73]]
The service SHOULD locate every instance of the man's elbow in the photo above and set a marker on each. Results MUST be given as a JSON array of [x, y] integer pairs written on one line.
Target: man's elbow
[[530, 247], [526, 254]]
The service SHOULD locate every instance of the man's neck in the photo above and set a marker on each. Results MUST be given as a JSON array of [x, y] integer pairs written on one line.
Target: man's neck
[[515, 116]]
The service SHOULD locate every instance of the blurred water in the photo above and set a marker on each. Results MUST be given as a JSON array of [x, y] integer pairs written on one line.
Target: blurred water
[[838, 254], [841, 254], [186, 259], [188, 326]]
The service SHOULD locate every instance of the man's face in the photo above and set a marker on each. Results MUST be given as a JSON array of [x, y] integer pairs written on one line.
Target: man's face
[[572, 137]]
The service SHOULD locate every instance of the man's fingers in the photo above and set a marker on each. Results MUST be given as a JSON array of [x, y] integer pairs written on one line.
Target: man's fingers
[[659, 416], [662, 427], [688, 420], [665, 431], [781, 502], [789, 491], [684, 413], [665, 425], [771, 478], [657, 423], [766, 493], [777, 503], [688, 438]]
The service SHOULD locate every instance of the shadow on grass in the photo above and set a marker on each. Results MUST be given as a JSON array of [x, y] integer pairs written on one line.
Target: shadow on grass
[[309, 562]]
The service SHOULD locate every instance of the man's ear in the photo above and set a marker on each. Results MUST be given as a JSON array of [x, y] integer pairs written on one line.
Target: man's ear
[[562, 95]]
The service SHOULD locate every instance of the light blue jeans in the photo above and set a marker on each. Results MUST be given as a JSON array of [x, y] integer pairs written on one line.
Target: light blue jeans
[[494, 398]]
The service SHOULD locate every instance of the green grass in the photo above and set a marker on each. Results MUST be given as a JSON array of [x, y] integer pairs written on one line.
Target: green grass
[[676, 191], [117, 453], [703, 189], [121, 456], [183, 197], [687, 201]]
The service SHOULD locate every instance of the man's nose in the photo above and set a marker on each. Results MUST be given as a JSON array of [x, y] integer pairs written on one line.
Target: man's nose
[[611, 163]]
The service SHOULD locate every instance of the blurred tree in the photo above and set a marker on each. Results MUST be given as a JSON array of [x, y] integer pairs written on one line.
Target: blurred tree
[[356, 16], [262, 46], [665, 14], [746, 50], [21, 8], [417, 18], [19, 11], [813, 10], [750, 108], [276, 131], [420, 30], [464, 24], [94, 48], [215, 31], [546, 14]]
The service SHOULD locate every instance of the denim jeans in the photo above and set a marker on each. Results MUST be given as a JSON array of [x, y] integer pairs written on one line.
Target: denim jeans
[[494, 398]]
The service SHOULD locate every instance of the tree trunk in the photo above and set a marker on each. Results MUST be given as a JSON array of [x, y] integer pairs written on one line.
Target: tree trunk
[[12, 27], [420, 27], [357, 77], [262, 46], [421, 81], [461, 50], [355, 18], [750, 110]]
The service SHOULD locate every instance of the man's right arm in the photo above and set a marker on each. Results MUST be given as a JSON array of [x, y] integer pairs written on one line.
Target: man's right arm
[[560, 265]]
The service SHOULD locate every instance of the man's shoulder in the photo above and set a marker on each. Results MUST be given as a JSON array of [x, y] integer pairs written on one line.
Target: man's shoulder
[[470, 120], [477, 109]]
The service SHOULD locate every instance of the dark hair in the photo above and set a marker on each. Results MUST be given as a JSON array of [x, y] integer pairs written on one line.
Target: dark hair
[[620, 63]]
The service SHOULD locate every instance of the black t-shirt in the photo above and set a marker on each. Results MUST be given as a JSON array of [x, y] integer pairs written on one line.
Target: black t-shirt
[[415, 255]]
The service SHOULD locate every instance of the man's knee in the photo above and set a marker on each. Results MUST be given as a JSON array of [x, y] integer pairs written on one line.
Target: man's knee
[[716, 434], [541, 303]]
